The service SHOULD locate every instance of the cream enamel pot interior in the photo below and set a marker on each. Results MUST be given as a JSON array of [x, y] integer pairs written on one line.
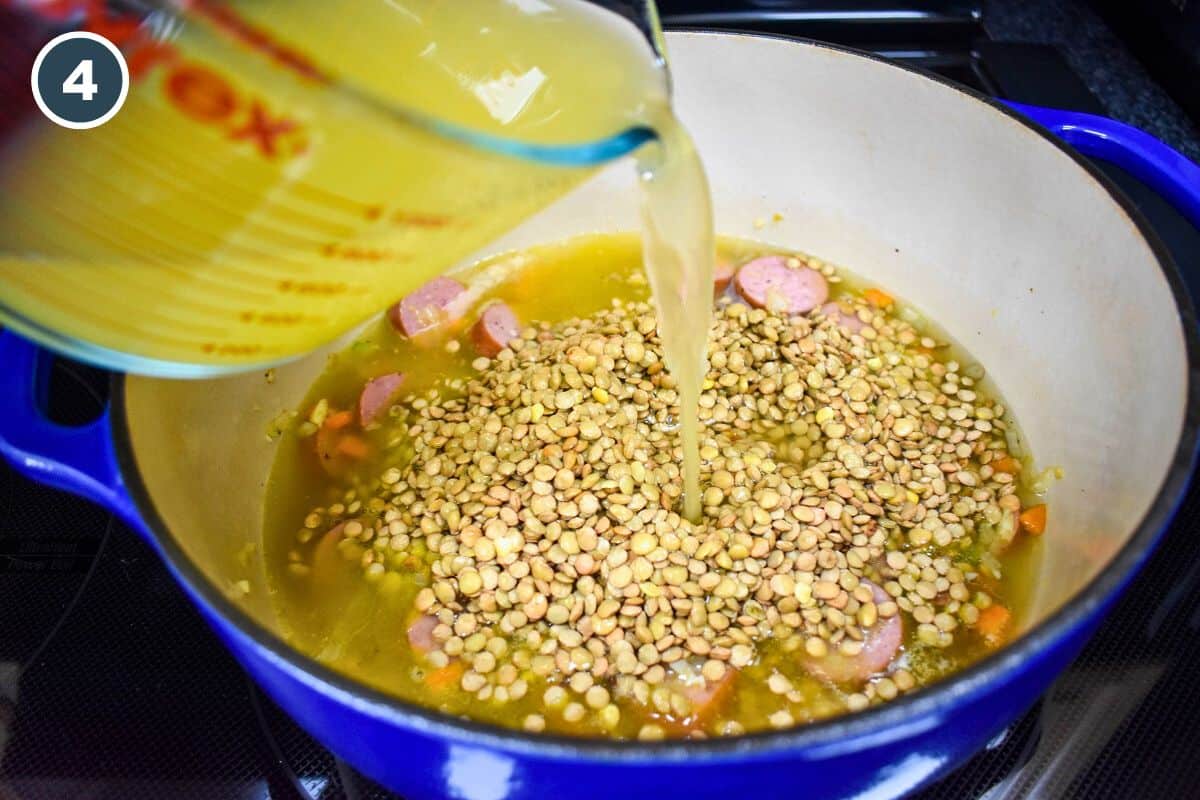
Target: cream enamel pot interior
[[977, 218]]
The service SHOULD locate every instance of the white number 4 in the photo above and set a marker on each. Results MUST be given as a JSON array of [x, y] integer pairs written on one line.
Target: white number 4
[[80, 81]]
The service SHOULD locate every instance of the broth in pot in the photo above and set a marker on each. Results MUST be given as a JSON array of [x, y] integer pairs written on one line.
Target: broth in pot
[[480, 506]]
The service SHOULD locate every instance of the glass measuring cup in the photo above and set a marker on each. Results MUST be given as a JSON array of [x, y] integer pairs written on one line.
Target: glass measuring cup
[[283, 170]]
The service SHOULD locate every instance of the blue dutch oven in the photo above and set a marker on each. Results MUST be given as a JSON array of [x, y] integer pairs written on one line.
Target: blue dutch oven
[[1011, 241]]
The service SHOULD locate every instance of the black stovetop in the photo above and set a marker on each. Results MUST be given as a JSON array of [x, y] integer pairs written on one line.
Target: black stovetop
[[111, 686]]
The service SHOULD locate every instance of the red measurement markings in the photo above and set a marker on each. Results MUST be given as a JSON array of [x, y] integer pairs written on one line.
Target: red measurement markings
[[420, 219], [351, 252], [409, 218], [257, 39], [280, 319], [312, 287], [230, 349]]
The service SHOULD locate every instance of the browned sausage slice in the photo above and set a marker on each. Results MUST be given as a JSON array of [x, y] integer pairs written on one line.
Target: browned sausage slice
[[706, 699], [768, 282], [497, 326], [880, 647], [426, 307], [420, 633], [377, 395], [846, 320]]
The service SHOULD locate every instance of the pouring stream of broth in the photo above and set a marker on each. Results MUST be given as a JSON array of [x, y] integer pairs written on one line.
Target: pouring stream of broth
[[679, 250]]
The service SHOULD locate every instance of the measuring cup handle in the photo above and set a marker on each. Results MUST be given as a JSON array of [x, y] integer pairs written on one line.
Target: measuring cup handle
[[80, 460], [1149, 160]]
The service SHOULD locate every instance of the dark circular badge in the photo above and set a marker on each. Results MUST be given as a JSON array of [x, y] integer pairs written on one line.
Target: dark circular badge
[[80, 80]]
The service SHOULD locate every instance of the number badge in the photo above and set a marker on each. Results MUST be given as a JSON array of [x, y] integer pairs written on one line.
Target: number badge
[[80, 80]]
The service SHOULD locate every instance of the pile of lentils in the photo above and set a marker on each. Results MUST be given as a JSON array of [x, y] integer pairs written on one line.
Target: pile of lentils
[[544, 496]]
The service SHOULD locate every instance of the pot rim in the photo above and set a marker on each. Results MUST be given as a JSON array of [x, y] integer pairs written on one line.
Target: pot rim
[[910, 714]]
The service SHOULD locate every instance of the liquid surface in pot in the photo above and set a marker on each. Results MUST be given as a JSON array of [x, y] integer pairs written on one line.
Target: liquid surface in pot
[[478, 508]]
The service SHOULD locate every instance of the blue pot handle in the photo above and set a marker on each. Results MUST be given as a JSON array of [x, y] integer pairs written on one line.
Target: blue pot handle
[[1158, 166], [80, 460]]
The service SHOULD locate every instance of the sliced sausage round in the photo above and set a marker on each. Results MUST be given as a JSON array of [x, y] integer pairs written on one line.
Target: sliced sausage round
[[880, 647], [705, 700], [420, 633], [426, 307], [497, 326], [377, 396], [768, 282], [844, 319]]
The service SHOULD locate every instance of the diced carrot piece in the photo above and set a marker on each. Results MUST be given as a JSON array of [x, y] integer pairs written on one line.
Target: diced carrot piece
[[352, 446], [336, 447], [993, 624], [338, 420], [878, 298], [723, 272], [1033, 520], [445, 677], [1006, 464], [325, 444]]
